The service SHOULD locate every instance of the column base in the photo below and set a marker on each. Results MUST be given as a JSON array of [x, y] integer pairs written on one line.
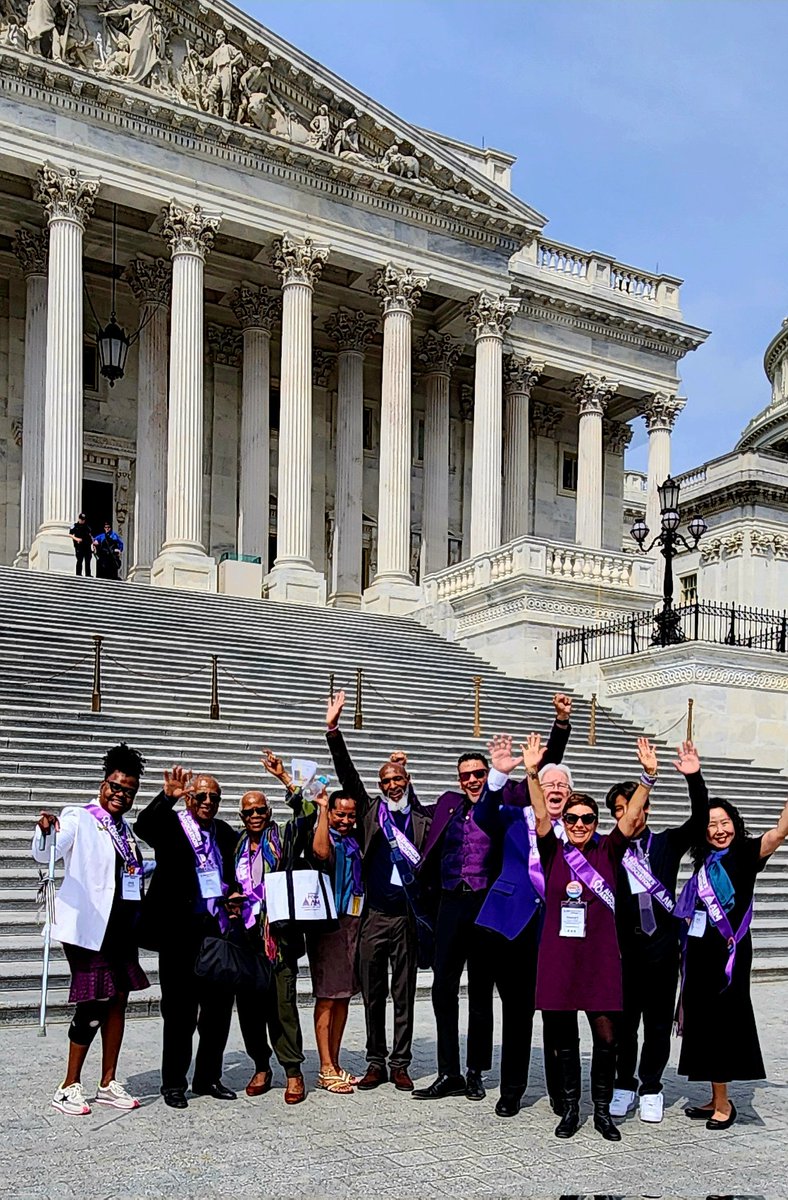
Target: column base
[[296, 583], [189, 572], [22, 560], [52, 551], [394, 594], [139, 574], [344, 600], [241, 579]]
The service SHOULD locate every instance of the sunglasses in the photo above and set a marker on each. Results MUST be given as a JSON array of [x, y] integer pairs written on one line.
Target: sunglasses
[[586, 818], [214, 797], [118, 789], [467, 776], [259, 811]]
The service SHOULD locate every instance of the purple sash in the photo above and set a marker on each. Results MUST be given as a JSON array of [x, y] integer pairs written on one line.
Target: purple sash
[[121, 835], [254, 892], [535, 869], [643, 875], [205, 856], [719, 919], [581, 868]]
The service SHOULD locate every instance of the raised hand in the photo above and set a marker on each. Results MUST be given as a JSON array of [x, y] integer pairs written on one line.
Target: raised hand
[[501, 755], [647, 756], [532, 751], [399, 757], [272, 763], [321, 799], [334, 709], [563, 706], [688, 761], [176, 782]]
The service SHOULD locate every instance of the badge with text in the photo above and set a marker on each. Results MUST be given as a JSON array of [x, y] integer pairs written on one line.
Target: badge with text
[[573, 911], [131, 884], [355, 906], [210, 882], [697, 926]]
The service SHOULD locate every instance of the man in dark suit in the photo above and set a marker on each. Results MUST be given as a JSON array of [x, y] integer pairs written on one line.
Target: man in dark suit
[[195, 869], [391, 830], [466, 860]]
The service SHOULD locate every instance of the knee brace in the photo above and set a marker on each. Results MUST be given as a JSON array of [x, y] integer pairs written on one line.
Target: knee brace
[[88, 1018]]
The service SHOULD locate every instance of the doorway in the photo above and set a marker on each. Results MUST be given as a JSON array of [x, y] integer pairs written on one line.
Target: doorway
[[97, 503]]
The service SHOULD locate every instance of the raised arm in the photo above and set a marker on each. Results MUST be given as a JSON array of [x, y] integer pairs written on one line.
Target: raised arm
[[774, 838], [321, 842], [348, 776], [647, 757], [149, 823], [559, 734], [532, 756], [687, 763]]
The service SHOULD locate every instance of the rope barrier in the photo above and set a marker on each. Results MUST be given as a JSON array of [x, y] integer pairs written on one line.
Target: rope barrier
[[655, 736], [151, 674], [65, 671], [414, 712]]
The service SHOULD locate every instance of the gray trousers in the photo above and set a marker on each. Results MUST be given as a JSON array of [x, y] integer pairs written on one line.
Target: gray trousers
[[388, 942]]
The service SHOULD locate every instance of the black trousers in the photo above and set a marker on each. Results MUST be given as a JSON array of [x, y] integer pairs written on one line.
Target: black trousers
[[273, 1014], [189, 1003], [649, 995], [84, 555], [388, 941], [512, 965], [460, 941]]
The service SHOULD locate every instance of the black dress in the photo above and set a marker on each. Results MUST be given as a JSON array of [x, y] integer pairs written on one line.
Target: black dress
[[720, 1041]]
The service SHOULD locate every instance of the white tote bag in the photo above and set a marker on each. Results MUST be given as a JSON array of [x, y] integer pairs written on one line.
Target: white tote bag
[[299, 896]]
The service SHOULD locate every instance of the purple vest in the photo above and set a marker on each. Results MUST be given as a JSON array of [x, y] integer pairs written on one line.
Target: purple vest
[[466, 852]]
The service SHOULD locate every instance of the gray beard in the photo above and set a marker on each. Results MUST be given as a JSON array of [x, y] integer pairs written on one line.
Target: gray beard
[[397, 805]]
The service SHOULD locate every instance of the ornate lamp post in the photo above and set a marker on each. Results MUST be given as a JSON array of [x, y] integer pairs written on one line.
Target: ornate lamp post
[[667, 627]]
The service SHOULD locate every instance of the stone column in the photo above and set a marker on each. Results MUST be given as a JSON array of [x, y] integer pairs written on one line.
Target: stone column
[[68, 201], [182, 562], [257, 311], [352, 332], [616, 436], [437, 355], [393, 589], [593, 394], [489, 316], [323, 369], [660, 412], [150, 282], [293, 576], [545, 422], [519, 377], [31, 248], [466, 412]]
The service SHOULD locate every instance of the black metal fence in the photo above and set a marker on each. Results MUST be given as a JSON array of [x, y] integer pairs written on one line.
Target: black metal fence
[[721, 624]]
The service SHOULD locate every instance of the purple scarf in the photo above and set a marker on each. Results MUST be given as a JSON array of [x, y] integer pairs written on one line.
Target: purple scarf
[[206, 854], [700, 887]]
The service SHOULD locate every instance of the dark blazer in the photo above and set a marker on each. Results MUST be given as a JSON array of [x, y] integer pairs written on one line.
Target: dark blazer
[[367, 822], [511, 901], [168, 910]]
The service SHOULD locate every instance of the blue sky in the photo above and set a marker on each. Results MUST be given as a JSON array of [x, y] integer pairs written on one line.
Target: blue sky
[[653, 130]]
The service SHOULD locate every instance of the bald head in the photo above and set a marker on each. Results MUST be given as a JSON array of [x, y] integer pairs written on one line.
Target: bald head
[[202, 798]]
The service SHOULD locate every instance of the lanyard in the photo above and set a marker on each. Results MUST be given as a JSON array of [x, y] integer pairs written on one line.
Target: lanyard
[[121, 836]]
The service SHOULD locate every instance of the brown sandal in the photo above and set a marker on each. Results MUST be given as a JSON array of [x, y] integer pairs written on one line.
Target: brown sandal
[[295, 1091]]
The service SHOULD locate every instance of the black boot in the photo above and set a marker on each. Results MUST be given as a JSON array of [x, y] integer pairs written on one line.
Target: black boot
[[603, 1074], [568, 1075]]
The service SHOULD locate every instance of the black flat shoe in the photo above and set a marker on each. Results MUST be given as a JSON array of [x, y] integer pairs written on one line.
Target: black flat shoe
[[508, 1104], [698, 1114], [474, 1086], [444, 1085], [603, 1123], [217, 1091], [726, 1124], [174, 1098], [570, 1120]]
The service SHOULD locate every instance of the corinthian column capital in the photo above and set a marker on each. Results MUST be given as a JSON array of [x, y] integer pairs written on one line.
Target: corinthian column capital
[[351, 330], [65, 195], [616, 435], [31, 247], [593, 393], [489, 315], [256, 308], [399, 289], [150, 281], [298, 262], [188, 228], [660, 411], [520, 375], [225, 345], [437, 353]]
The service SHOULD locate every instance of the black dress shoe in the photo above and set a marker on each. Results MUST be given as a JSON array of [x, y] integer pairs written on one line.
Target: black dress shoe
[[570, 1120], [175, 1097], [604, 1123], [509, 1103], [444, 1085], [474, 1086], [217, 1091], [726, 1124], [698, 1114]]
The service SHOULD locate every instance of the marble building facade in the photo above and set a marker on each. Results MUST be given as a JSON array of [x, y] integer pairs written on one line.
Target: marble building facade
[[359, 359]]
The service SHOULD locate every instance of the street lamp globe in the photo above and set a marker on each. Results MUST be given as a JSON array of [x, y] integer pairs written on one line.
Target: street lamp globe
[[669, 495], [697, 528], [639, 531]]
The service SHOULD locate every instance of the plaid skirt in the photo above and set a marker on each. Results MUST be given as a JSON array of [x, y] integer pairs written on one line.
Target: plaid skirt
[[101, 974]]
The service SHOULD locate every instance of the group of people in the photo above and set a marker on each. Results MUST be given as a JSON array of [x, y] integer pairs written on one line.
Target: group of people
[[107, 548], [506, 878]]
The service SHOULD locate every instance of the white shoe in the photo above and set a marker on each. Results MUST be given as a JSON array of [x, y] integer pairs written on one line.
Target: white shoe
[[622, 1102], [116, 1096], [651, 1108], [71, 1101]]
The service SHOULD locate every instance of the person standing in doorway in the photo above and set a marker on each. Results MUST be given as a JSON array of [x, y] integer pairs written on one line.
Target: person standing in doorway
[[82, 538], [109, 548]]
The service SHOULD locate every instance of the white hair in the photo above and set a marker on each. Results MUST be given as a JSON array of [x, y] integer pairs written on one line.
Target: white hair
[[558, 767]]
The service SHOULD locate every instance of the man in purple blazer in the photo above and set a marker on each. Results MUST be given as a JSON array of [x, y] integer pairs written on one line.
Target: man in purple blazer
[[463, 860]]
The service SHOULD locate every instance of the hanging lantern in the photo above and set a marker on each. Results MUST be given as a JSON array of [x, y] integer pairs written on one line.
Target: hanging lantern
[[113, 347]]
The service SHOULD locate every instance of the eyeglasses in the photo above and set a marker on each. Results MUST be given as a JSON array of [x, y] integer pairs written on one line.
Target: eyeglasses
[[259, 811], [214, 797], [572, 818], [556, 787], [467, 776], [118, 789]]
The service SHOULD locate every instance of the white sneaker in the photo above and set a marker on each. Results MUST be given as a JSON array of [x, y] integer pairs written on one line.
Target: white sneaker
[[651, 1108], [116, 1096], [622, 1102], [71, 1101]]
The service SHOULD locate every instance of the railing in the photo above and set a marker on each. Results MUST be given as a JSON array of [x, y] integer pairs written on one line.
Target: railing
[[631, 283], [554, 257], [602, 272], [719, 624], [692, 478]]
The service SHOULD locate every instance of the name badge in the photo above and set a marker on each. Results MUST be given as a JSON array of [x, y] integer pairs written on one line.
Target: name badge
[[635, 887], [396, 878], [210, 882], [131, 885], [573, 919], [697, 926], [356, 905]]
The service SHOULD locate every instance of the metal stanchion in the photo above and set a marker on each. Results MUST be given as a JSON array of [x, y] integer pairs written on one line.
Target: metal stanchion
[[95, 702], [592, 722], [214, 687], [358, 716], [331, 685], [690, 707], [477, 706]]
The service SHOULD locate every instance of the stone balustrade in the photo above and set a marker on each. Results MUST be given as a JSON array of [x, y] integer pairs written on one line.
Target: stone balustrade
[[554, 257], [605, 273]]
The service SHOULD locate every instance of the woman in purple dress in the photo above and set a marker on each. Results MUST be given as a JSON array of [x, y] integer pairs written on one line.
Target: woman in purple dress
[[579, 967]]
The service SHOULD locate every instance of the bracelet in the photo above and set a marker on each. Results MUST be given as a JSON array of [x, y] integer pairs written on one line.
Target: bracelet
[[563, 723], [532, 774], [647, 780]]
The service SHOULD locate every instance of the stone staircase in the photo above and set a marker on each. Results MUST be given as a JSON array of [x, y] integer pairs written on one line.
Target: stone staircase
[[273, 672]]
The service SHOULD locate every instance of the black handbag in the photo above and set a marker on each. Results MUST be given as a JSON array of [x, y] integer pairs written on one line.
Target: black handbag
[[229, 961]]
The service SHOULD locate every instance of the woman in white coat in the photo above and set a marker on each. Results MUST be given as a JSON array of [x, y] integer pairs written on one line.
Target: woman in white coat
[[96, 912]]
